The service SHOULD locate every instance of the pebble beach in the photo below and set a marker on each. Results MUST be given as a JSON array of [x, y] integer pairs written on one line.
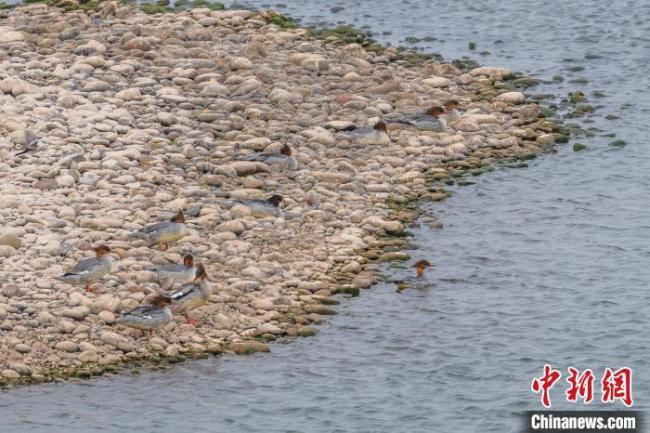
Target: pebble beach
[[125, 118]]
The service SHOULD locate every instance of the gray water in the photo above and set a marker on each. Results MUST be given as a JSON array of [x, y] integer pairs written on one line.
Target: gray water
[[546, 264]]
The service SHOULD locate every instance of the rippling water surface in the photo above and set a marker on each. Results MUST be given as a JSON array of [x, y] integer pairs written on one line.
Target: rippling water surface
[[544, 264]]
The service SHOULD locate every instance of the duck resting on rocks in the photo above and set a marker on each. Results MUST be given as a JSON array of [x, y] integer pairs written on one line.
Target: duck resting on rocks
[[419, 281], [375, 135], [148, 317], [175, 273], [430, 120], [31, 143], [282, 160], [451, 110], [163, 232], [271, 206], [191, 296], [89, 270]]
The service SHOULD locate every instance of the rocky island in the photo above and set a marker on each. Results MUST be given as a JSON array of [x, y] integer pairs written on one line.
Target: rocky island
[[112, 119]]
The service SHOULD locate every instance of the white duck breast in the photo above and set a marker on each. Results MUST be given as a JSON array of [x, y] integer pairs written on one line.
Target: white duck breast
[[452, 115], [191, 296]]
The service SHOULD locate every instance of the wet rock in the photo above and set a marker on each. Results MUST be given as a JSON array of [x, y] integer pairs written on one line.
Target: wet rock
[[10, 374], [248, 347], [320, 309], [307, 331], [512, 97]]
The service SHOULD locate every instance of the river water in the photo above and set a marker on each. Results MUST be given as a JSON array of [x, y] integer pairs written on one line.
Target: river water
[[539, 265]]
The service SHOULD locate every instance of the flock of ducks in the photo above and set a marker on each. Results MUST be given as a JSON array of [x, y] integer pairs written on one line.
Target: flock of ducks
[[193, 289], [185, 285]]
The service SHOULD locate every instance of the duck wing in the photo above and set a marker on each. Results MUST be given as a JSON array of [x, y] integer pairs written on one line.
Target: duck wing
[[83, 267], [184, 291]]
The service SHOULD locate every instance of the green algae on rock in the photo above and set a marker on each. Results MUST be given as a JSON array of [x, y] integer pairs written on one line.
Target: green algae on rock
[[617, 143]]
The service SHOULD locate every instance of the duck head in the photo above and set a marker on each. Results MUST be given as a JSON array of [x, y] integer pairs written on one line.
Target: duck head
[[436, 111], [102, 250], [200, 273], [276, 200], [286, 150], [161, 301], [381, 126], [451, 105], [178, 218], [420, 266], [188, 260]]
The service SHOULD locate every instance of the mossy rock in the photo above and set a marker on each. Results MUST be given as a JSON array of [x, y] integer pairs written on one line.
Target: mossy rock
[[394, 255], [247, 347], [348, 290], [576, 68], [561, 138], [307, 331], [161, 7], [576, 97], [500, 85], [215, 6], [617, 143], [526, 82], [345, 34], [525, 156], [547, 111], [439, 176], [282, 21], [578, 147]]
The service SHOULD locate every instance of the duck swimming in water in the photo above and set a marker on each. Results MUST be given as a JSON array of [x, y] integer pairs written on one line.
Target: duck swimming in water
[[164, 232], [282, 160], [176, 273], [147, 317], [375, 135], [430, 120], [90, 270], [260, 208], [191, 296], [420, 281]]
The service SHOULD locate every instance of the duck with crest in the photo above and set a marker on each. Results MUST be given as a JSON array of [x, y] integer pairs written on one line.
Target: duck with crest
[[163, 232], [282, 160], [89, 270]]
